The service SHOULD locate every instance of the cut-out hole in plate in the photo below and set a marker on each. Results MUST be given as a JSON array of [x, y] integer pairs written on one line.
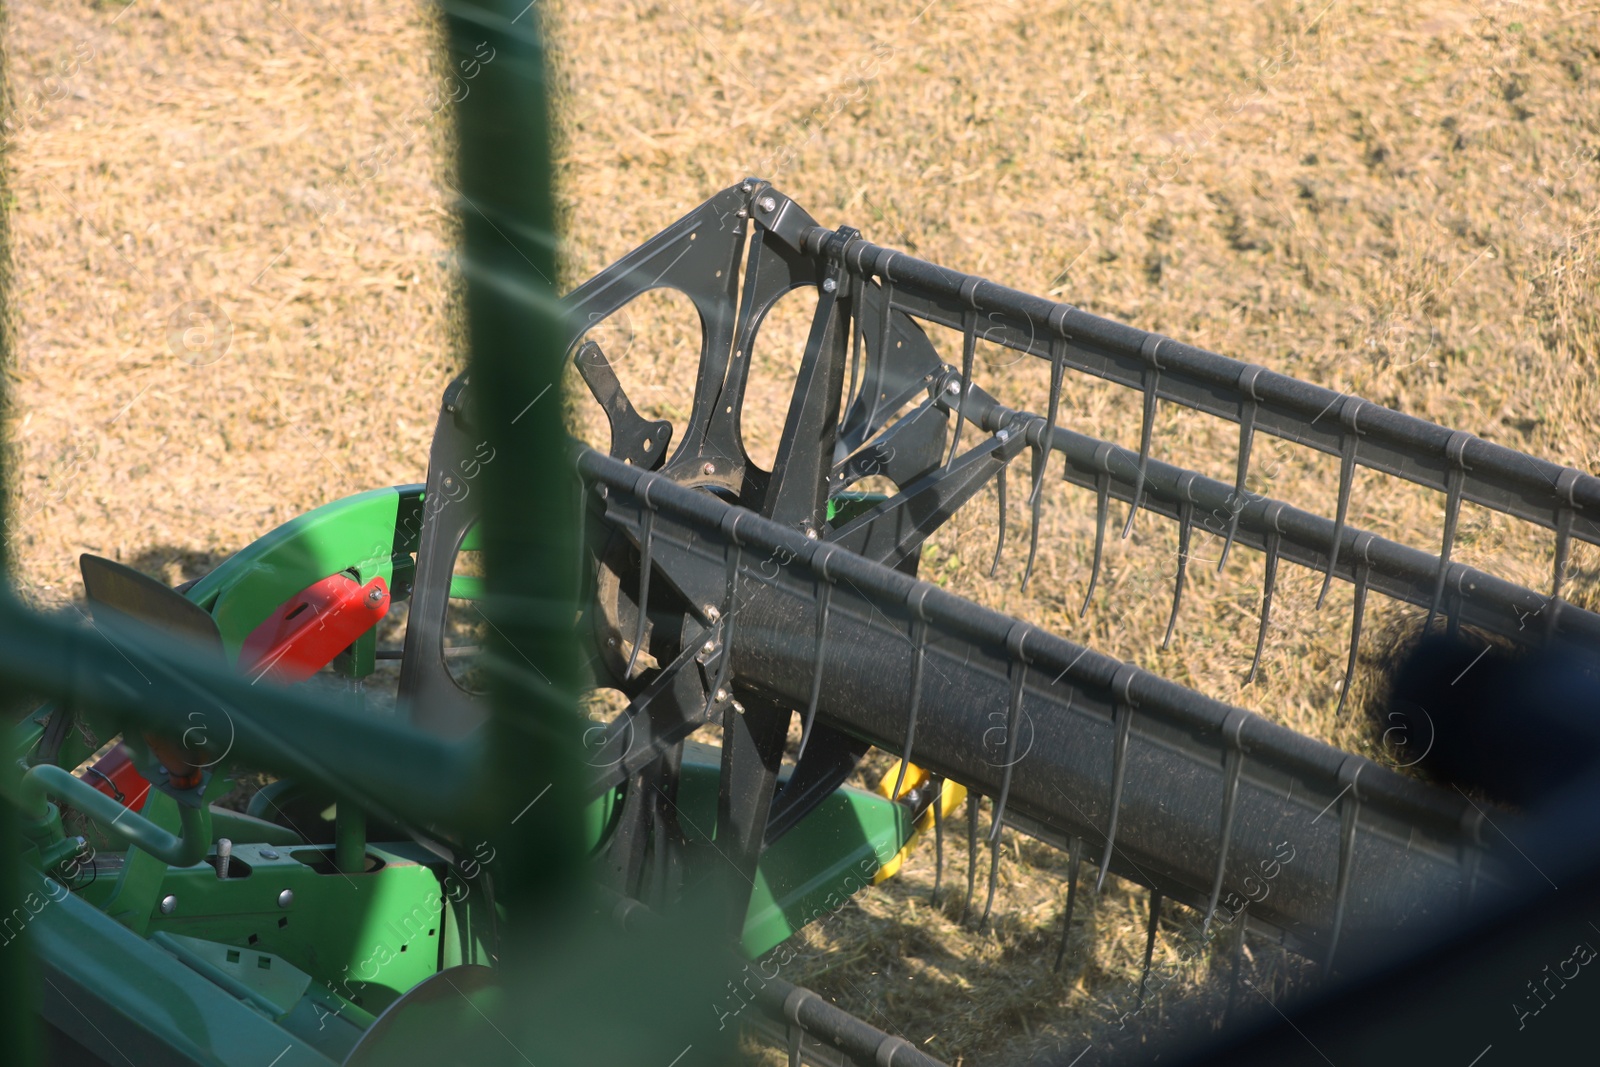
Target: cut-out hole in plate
[[775, 360]]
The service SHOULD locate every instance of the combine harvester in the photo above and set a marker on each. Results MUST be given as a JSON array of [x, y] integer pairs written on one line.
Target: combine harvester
[[412, 876]]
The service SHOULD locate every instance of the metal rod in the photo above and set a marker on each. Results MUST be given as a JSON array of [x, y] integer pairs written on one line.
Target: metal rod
[[1000, 492], [1233, 763], [1348, 414], [1452, 511], [824, 600], [1040, 460], [1042, 454], [1152, 381], [998, 822], [919, 644], [969, 341], [1150, 941], [1074, 856], [647, 529], [1357, 613], [1266, 603], [350, 838], [973, 800], [1185, 526], [1019, 680], [1101, 505], [1122, 709], [731, 609], [1349, 815], [1248, 406]]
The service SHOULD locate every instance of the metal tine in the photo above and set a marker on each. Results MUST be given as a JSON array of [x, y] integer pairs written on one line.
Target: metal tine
[[973, 802], [969, 345], [824, 601], [1233, 764], [1273, 511], [938, 842], [1000, 544], [735, 560], [1453, 450], [1040, 460], [1349, 411], [1152, 382], [795, 1035], [1041, 453], [1074, 856], [1185, 528], [998, 818], [1349, 813], [1247, 435], [1122, 710], [1564, 483], [1015, 644], [1357, 613], [1150, 941], [886, 334], [1563, 547], [858, 342], [647, 529], [1102, 505], [1243, 920], [919, 645]]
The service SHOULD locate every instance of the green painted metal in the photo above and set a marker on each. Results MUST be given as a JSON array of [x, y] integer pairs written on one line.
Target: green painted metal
[[363, 532], [145, 1005], [268, 981], [368, 937], [812, 871], [184, 849]]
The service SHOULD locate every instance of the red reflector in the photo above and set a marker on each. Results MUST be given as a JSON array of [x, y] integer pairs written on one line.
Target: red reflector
[[304, 634], [115, 775]]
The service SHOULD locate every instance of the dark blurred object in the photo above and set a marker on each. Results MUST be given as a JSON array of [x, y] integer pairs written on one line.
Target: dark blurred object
[[1511, 984], [1511, 727]]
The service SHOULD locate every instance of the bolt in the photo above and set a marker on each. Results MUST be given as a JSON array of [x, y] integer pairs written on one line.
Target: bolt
[[746, 187], [722, 694], [709, 647], [829, 285], [766, 203], [952, 387], [811, 534], [224, 853], [712, 613], [169, 904], [1002, 436], [710, 468], [286, 898], [269, 854], [738, 707], [611, 642], [602, 491], [374, 597]]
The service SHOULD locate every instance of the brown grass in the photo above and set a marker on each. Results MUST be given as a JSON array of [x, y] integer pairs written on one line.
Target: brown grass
[[1395, 200]]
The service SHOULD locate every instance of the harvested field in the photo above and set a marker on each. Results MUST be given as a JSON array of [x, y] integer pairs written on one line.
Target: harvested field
[[231, 298]]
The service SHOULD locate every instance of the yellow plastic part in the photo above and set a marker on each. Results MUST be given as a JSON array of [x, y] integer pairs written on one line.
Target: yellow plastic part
[[951, 795]]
